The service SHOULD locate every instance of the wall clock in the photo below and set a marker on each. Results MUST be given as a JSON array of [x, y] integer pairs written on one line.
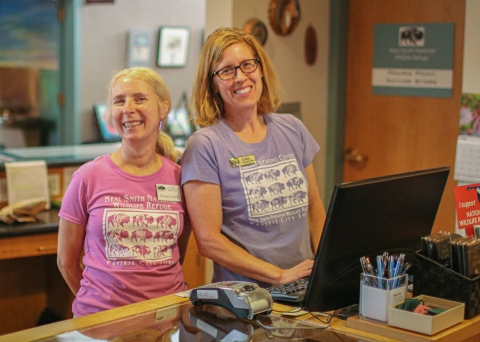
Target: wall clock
[[257, 28], [284, 16]]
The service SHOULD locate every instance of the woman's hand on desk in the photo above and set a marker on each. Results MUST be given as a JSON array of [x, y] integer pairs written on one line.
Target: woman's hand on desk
[[302, 270], [206, 218]]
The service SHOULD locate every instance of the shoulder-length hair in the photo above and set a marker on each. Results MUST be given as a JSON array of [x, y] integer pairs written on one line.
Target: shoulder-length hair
[[206, 105]]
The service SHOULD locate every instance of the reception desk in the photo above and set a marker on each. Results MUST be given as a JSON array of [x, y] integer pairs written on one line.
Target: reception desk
[[31, 287], [33, 291], [173, 318]]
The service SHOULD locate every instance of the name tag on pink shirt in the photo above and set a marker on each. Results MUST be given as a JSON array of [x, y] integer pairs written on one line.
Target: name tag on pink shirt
[[168, 192]]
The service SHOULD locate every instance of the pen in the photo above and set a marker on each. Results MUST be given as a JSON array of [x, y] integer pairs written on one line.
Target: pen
[[398, 268], [391, 265], [385, 263], [369, 270], [406, 268], [380, 270]]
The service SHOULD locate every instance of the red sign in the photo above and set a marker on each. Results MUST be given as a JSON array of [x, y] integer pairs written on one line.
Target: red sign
[[467, 200]]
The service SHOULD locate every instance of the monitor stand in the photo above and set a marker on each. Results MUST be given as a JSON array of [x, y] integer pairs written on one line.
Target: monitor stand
[[346, 312]]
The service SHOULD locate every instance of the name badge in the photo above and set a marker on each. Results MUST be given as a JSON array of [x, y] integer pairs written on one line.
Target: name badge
[[168, 192], [243, 161]]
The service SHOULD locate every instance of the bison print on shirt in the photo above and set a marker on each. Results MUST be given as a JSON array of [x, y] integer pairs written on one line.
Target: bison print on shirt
[[274, 190], [139, 235]]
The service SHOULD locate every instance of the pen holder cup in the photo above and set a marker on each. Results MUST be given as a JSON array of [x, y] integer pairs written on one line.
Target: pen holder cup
[[378, 294]]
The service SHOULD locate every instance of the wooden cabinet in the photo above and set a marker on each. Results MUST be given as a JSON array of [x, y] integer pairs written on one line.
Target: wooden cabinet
[[28, 246], [194, 265], [30, 281]]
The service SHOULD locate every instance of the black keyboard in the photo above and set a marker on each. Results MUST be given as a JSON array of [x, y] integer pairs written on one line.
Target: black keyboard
[[291, 292]]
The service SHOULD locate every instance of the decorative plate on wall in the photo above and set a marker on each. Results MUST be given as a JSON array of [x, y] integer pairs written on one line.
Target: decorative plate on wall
[[257, 28], [284, 16]]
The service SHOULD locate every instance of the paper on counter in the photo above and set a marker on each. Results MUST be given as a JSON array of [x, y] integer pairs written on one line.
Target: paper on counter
[[27, 180]]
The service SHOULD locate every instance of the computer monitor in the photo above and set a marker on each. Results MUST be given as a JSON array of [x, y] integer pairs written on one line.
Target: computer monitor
[[107, 132], [179, 126], [367, 218]]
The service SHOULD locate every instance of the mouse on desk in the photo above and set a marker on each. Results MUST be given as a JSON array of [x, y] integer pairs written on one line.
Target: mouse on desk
[[244, 299]]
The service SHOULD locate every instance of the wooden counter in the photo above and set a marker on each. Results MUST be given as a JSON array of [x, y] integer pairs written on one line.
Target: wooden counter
[[172, 312], [30, 281], [29, 278], [97, 319]]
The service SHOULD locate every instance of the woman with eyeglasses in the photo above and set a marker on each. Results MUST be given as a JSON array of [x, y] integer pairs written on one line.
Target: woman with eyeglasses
[[247, 174]]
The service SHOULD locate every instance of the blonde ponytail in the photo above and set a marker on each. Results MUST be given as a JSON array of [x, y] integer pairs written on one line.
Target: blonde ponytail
[[166, 148]]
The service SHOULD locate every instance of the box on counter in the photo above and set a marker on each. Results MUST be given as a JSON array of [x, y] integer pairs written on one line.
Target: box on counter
[[428, 324], [433, 279]]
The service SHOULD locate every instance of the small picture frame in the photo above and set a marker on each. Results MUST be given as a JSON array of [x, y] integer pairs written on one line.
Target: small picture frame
[[173, 46]]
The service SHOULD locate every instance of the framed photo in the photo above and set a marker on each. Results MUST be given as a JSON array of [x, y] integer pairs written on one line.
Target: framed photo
[[173, 46]]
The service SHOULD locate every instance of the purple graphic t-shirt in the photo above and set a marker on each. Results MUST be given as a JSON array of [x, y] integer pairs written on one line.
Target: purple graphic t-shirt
[[132, 227], [265, 204]]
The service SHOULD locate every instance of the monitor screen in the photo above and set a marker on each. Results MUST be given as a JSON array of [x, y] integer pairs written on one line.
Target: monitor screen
[[107, 132], [367, 218], [179, 126]]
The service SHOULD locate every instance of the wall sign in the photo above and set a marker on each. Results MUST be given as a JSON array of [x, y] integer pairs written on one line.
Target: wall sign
[[413, 59]]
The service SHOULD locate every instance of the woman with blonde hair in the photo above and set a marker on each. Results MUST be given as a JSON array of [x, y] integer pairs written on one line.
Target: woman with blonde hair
[[125, 210]]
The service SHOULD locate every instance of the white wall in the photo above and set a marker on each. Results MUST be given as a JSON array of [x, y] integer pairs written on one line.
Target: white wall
[[104, 37], [104, 41], [300, 82], [219, 14]]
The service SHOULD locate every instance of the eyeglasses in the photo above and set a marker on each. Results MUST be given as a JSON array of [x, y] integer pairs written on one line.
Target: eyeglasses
[[247, 67]]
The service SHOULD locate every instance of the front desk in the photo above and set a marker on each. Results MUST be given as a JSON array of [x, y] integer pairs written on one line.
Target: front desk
[[173, 318], [30, 283], [32, 289]]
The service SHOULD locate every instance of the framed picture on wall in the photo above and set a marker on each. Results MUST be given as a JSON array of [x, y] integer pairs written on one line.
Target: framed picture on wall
[[173, 46]]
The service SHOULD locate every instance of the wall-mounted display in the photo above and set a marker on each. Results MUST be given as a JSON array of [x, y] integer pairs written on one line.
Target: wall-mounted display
[[108, 133], [173, 46], [139, 48], [284, 16], [257, 28]]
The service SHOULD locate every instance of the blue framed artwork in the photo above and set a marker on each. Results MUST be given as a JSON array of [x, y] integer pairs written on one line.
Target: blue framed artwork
[[32, 37]]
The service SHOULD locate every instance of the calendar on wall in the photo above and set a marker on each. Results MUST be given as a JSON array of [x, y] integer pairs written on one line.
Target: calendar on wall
[[467, 159]]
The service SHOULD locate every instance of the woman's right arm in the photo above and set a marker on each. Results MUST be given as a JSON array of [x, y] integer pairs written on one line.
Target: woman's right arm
[[71, 237]]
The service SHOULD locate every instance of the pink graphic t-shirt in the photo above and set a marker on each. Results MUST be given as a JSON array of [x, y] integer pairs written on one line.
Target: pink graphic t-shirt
[[132, 227]]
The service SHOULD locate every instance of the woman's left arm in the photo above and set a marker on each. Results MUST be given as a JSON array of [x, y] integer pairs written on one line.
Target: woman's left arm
[[316, 210]]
